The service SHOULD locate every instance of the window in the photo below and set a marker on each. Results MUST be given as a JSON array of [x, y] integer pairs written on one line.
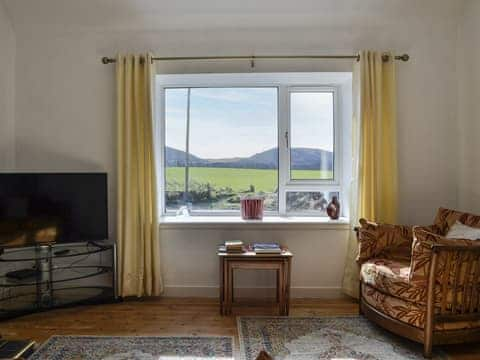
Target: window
[[312, 134], [225, 136], [220, 144]]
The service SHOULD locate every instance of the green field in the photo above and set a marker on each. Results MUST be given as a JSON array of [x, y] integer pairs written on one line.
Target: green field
[[312, 175], [264, 180]]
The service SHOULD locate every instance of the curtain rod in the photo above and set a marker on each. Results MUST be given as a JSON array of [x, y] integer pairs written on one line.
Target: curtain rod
[[385, 57]]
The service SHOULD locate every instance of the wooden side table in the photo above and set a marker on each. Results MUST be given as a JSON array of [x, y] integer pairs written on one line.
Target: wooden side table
[[281, 263]]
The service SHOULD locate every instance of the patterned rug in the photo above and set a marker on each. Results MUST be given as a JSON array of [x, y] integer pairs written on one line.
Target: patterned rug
[[349, 337], [134, 348]]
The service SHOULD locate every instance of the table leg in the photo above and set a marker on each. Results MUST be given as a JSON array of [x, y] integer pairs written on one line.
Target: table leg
[[221, 285], [287, 287], [226, 290], [281, 305], [232, 288], [229, 288], [279, 273]]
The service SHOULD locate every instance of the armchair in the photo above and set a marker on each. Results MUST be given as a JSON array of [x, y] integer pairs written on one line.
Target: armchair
[[417, 283]]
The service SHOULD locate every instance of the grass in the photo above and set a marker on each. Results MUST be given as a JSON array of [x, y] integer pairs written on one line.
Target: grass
[[312, 175], [265, 180]]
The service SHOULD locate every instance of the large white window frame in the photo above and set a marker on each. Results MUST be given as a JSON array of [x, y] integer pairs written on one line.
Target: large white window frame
[[286, 83]]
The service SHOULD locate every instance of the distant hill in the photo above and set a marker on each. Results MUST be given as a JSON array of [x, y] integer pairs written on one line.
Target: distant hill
[[176, 157], [311, 159], [302, 159]]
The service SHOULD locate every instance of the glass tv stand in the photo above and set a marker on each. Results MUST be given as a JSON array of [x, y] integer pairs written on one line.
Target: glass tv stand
[[44, 277]]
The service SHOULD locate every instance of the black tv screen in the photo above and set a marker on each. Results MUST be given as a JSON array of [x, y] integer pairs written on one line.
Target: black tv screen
[[41, 208]]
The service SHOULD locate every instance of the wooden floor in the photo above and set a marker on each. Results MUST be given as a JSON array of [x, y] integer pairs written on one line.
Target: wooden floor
[[171, 317]]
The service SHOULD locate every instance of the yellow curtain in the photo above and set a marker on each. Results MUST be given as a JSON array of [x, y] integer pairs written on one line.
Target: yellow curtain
[[374, 193], [137, 225]]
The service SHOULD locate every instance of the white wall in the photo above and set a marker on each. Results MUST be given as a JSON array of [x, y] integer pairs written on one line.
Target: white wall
[[190, 265], [65, 99], [469, 107], [7, 90]]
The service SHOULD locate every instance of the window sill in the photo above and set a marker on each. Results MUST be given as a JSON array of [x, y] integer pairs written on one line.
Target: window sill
[[268, 222]]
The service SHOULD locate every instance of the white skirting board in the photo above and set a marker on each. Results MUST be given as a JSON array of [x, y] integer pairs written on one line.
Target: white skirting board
[[252, 292]]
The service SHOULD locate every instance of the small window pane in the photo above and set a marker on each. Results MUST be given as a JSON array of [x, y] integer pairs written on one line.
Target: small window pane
[[312, 135], [314, 202]]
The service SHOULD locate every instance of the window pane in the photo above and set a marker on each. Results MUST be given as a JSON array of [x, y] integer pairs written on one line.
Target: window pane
[[312, 136], [232, 147], [314, 202]]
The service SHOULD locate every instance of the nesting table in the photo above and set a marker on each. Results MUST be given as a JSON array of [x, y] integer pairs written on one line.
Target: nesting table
[[281, 263]]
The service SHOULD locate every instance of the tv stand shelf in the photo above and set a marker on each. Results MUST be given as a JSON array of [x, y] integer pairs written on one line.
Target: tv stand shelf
[[49, 276]]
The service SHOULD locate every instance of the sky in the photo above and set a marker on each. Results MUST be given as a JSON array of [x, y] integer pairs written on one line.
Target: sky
[[239, 122]]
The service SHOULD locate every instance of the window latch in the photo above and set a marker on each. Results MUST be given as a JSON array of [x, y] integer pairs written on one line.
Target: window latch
[[286, 138]]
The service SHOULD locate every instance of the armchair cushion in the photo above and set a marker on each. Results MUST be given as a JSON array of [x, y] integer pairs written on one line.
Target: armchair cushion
[[391, 277], [446, 218], [461, 231], [383, 240]]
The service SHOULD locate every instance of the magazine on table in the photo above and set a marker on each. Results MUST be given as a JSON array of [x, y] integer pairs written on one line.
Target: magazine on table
[[267, 248]]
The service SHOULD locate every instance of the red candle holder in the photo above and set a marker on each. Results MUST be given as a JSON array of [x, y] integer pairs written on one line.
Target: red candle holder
[[252, 208]]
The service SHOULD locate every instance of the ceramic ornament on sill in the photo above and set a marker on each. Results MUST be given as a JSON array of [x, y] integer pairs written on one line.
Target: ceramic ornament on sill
[[252, 207], [333, 208]]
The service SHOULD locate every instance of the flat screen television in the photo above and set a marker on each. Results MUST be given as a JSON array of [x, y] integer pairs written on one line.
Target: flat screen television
[[45, 208]]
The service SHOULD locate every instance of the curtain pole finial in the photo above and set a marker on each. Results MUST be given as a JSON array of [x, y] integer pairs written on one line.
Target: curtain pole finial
[[106, 60]]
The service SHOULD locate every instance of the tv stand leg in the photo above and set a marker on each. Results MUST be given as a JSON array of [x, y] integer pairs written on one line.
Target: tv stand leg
[[44, 280]]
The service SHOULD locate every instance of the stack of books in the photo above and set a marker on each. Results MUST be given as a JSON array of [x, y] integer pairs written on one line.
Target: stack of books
[[232, 247], [267, 248]]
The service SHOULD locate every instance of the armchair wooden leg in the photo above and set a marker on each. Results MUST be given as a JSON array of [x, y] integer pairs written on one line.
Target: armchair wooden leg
[[429, 320], [428, 334], [427, 350]]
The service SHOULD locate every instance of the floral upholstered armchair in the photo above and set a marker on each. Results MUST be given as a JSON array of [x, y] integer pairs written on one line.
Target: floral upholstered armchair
[[418, 283]]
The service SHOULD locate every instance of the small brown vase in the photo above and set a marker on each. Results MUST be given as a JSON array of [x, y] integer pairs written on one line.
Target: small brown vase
[[333, 208]]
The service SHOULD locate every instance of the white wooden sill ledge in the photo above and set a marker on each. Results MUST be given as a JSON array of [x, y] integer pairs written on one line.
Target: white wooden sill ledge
[[268, 222]]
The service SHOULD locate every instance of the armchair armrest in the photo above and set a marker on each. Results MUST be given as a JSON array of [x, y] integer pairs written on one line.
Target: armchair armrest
[[375, 239], [426, 242]]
